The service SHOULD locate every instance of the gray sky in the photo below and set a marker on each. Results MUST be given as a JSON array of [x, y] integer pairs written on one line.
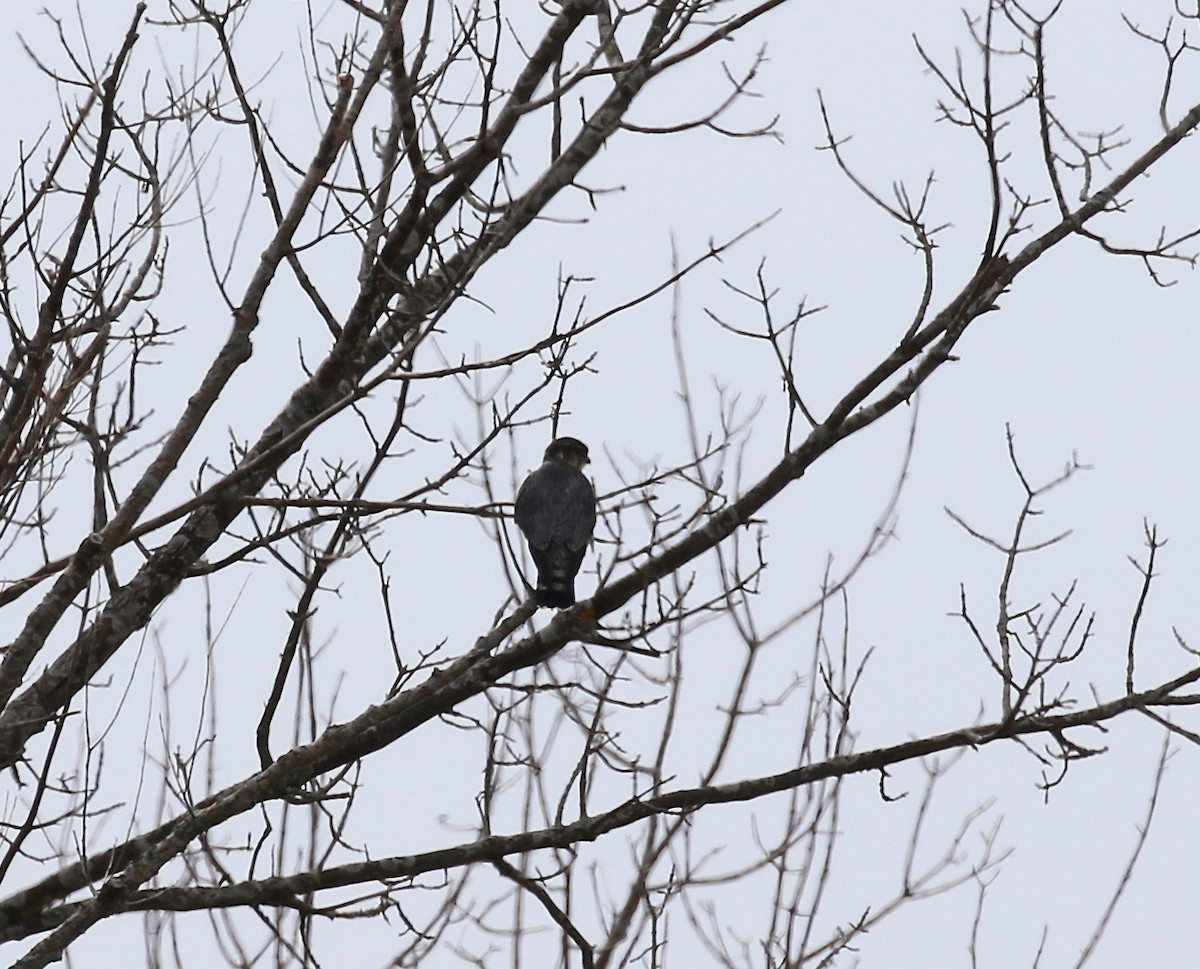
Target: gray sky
[[1087, 357]]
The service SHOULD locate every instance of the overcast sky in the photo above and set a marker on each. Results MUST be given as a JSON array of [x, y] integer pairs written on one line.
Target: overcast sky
[[1087, 357]]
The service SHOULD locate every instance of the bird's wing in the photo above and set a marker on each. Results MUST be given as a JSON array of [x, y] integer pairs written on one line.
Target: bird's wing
[[579, 511], [556, 504], [528, 508]]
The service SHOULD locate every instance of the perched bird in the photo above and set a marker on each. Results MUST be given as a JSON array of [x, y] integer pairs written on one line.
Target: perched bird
[[556, 510]]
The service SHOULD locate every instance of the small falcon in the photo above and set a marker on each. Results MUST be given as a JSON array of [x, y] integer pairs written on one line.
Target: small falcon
[[556, 510]]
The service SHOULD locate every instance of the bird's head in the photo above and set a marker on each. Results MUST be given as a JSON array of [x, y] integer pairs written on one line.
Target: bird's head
[[569, 450]]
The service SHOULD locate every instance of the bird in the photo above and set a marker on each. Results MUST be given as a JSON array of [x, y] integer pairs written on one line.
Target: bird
[[556, 511]]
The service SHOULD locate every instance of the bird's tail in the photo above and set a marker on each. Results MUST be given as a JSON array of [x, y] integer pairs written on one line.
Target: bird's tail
[[556, 592]]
